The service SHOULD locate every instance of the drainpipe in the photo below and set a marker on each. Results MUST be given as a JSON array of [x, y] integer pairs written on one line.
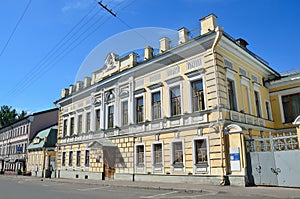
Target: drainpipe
[[219, 31]]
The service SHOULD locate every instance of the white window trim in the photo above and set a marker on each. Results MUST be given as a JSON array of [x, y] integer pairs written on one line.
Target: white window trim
[[144, 107], [230, 75], [194, 154], [161, 102], [95, 118], [189, 83], [161, 169], [172, 157], [169, 88], [139, 169], [270, 110]]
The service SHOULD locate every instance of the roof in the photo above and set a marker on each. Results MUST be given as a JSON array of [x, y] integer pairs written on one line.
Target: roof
[[39, 140]]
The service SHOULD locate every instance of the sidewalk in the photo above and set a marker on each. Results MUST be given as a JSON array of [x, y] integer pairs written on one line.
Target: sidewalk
[[275, 192]]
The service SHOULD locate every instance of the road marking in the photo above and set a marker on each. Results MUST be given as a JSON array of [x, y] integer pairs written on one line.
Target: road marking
[[158, 195], [91, 189]]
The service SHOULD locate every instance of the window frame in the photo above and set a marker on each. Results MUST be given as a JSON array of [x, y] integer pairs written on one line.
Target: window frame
[[191, 95], [233, 103], [257, 102], [110, 121], [136, 108], [88, 117], [177, 167], [269, 115], [65, 127], [283, 110], [79, 124], [78, 160], [140, 166], [87, 163], [123, 113], [157, 167], [70, 162], [154, 91], [198, 168], [170, 100], [63, 158], [72, 126], [97, 119]]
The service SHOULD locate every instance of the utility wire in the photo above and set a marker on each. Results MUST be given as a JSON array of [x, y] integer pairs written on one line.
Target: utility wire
[[15, 28]]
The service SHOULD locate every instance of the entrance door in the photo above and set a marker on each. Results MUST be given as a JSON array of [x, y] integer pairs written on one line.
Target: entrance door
[[109, 162]]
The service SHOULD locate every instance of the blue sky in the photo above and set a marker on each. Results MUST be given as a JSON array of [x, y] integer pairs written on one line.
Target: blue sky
[[34, 68]]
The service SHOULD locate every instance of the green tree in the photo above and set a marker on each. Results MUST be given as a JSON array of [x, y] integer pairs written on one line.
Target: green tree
[[9, 115]]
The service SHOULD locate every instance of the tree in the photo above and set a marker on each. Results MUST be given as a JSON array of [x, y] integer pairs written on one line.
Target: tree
[[9, 115]]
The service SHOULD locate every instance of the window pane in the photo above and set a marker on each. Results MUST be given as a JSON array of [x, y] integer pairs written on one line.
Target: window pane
[[231, 95], [72, 127], [140, 154], [291, 107], [197, 96], [110, 116], [157, 153], [156, 106], [175, 101], [79, 127], [78, 159], [200, 151], [139, 109], [70, 158], [88, 122], [65, 128], [177, 153], [87, 158], [125, 113], [257, 103], [97, 119]]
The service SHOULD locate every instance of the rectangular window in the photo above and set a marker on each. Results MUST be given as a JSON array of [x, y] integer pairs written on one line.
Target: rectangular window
[[291, 107], [78, 159], [197, 95], [79, 124], [177, 154], [124, 113], [72, 126], [65, 130], [70, 158], [110, 116], [157, 154], [231, 95], [88, 122], [268, 110], [200, 152], [139, 109], [87, 158], [156, 105], [257, 103], [63, 159], [140, 155], [175, 101], [97, 119]]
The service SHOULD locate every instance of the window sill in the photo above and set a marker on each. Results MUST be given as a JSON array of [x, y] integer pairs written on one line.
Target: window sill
[[178, 165]]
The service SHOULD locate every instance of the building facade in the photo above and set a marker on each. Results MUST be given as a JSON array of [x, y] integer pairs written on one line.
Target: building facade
[[41, 153], [182, 115], [15, 138]]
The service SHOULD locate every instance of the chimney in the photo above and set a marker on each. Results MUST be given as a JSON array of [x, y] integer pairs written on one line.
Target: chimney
[[164, 44], [79, 85], [64, 92], [183, 35], [133, 58], [242, 42], [148, 52], [71, 89], [87, 82], [208, 23]]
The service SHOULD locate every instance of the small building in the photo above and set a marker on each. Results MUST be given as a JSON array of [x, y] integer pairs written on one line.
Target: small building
[[41, 152], [15, 137]]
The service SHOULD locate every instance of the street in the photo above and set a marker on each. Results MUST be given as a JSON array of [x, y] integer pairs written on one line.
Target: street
[[34, 188]]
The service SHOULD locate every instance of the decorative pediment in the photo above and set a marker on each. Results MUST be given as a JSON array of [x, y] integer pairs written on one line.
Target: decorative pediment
[[96, 100], [124, 92], [110, 62], [109, 95], [100, 144], [233, 128], [297, 121]]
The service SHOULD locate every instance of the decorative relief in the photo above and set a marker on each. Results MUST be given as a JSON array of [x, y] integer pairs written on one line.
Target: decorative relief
[[194, 64], [155, 78], [173, 71]]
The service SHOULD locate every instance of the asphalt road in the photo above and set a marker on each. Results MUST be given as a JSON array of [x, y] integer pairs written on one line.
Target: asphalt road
[[16, 188]]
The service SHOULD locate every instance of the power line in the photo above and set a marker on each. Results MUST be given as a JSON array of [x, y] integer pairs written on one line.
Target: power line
[[15, 28]]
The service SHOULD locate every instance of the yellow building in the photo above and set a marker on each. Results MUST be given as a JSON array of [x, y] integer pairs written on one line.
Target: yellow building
[[41, 152], [182, 115]]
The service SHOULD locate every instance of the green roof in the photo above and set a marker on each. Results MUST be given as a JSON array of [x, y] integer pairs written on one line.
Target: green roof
[[39, 140]]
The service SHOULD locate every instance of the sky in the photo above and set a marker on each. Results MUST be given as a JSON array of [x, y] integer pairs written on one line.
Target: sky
[[45, 44]]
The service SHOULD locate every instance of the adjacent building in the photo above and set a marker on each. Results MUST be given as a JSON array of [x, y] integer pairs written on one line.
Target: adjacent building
[[41, 152], [189, 113], [15, 138]]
